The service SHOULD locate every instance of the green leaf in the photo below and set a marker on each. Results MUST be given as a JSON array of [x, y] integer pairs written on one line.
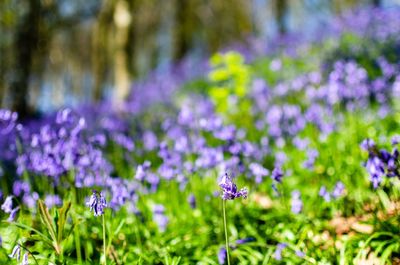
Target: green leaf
[[45, 238], [63, 214], [48, 222]]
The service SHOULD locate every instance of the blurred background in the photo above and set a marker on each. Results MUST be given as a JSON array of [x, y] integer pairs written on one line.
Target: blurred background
[[56, 53]]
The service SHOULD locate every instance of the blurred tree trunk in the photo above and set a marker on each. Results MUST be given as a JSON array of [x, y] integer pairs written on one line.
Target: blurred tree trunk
[[100, 48], [280, 10], [26, 42], [376, 3], [225, 22], [183, 29], [122, 20], [2, 89]]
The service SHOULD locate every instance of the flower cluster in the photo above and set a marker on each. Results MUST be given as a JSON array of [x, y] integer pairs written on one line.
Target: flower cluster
[[381, 163], [337, 192]]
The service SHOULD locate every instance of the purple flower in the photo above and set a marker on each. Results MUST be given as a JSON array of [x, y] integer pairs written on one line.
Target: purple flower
[[296, 203], [277, 174], [52, 200], [25, 260], [192, 201], [368, 144], [97, 203], [395, 139], [16, 253], [300, 254], [222, 255], [13, 214], [376, 169], [278, 251], [124, 141], [229, 189], [258, 171], [338, 190], [323, 192], [8, 121], [20, 188], [244, 240], [7, 205], [159, 217]]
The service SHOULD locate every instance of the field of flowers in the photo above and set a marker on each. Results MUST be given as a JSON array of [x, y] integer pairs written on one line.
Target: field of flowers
[[280, 152]]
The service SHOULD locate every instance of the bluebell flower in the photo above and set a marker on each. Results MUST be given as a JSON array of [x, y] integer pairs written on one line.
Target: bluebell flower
[[16, 253], [368, 144], [258, 171], [324, 193], [13, 214], [338, 190], [52, 200], [277, 174], [25, 260], [229, 189], [395, 139], [7, 205], [278, 251], [300, 254], [296, 203], [97, 203], [159, 217], [222, 256], [244, 240], [192, 201]]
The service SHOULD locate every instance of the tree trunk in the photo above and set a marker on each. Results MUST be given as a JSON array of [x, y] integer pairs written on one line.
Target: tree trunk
[[280, 14], [182, 29], [26, 44], [122, 20], [100, 47], [376, 3]]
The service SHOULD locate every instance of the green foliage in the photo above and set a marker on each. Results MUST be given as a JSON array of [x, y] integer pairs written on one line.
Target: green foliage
[[230, 78]]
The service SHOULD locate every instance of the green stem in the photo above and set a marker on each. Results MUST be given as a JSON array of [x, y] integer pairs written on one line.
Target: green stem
[[137, 233], [78, 245], [104, 240], [226, 232], [77, 235], [29, 253]]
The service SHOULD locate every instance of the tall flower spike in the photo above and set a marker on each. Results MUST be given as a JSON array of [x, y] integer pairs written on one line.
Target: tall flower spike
[[97, 203], [229, 189]]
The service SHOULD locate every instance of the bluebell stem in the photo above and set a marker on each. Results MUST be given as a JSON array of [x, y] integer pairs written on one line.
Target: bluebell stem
[[97, 203], [229, 192]]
